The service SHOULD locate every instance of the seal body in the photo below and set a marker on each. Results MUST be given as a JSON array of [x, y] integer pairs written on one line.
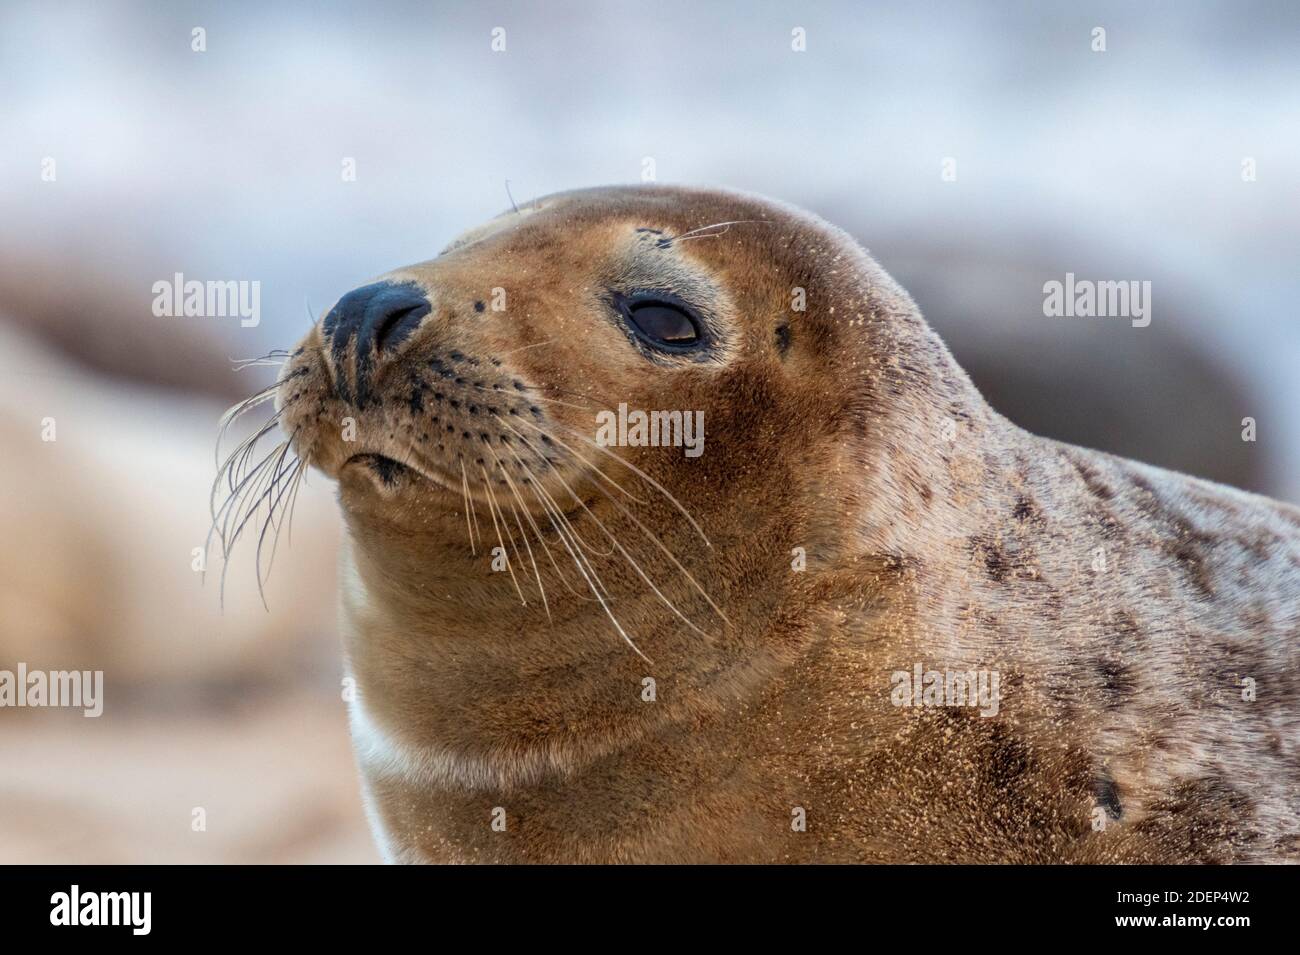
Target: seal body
[[870, 621]]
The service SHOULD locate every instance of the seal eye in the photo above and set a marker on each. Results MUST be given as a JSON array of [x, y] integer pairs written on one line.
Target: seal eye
[[663, 323]]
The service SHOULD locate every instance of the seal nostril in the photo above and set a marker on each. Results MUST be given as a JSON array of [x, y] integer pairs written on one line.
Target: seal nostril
[[368, 322], [398, 325]]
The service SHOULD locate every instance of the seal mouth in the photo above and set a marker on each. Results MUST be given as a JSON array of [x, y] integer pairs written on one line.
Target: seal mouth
[[389, 474], [385, 469]]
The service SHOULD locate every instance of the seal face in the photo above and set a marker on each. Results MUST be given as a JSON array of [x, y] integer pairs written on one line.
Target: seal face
[[868, 619]]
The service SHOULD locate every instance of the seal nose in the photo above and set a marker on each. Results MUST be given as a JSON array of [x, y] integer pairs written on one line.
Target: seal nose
[[374, 319]]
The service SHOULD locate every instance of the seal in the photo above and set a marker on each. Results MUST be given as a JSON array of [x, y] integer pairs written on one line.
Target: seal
[[870, 620]]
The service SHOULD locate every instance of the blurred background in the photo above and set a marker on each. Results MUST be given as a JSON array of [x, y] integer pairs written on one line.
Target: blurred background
[[127, 155]]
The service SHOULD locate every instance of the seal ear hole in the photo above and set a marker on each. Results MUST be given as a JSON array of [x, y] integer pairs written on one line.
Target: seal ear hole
[[783, 338]]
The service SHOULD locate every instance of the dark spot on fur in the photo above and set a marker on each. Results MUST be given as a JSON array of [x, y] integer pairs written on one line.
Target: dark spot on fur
[[1181, 540], [478, 306], [1008, 760], [1190, 558], [783, 338], [1117, 681], [1106, 794], [1258, 546], [996, 563], [1105, 523], [1092, 480], [1125, 626], [894, 565], [1026, 511], [1202, 820], [1256, 618]]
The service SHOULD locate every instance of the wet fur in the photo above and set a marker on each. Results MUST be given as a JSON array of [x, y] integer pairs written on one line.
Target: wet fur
[[935, 532]]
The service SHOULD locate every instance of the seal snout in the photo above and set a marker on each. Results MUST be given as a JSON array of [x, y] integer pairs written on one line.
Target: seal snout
[[366, 327]]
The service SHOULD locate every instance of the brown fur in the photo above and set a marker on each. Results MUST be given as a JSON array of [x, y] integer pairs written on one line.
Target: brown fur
[[936, 532]]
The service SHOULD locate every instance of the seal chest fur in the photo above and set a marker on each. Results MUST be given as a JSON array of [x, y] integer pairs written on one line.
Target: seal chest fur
[[871, 620]]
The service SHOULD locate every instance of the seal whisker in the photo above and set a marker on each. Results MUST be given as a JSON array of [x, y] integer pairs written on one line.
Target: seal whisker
[[580, 542], [580, 538], [628, 557], [663, 548], [237, 508], [255, 399], [293, 499], [239, 364], [566, 447], [548, 401], [532, 481], [232, 413], [549, 341], [232, 498], [645, 530], [238, 458], [510, 536], [725, 226], [541, 588], [487, 483], [469, 528], [286, 510], [267, 469], [264, 488], [228, 512], [513, 490], [248, 506], [595, 592], [270, 523], [645, 477]]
